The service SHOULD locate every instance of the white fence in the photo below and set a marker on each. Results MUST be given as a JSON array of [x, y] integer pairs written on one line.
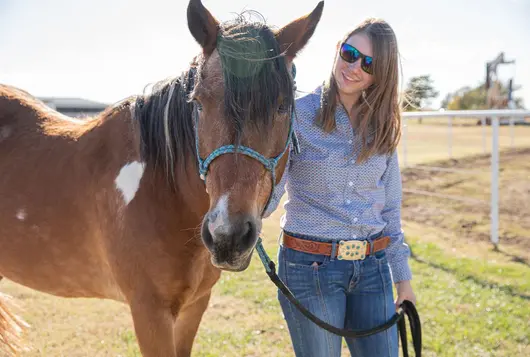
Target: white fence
[[471, 114]]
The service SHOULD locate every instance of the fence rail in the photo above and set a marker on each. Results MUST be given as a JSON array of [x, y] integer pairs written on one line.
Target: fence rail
[[494, 116]]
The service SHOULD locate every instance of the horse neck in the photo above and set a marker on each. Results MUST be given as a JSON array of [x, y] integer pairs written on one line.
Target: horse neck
[[180, 188], [129, 183]]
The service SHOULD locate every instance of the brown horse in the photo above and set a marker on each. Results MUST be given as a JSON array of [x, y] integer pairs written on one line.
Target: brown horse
[[114, 206]]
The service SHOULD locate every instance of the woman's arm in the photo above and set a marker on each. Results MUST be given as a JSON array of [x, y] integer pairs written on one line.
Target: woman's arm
[[398, 252]]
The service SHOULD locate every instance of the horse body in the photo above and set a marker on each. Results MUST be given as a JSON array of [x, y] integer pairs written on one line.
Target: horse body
[[49, 206], [70, 222], [64, 213], [114, 207]]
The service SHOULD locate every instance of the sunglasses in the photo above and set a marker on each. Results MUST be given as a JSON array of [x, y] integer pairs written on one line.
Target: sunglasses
[[350, 54]]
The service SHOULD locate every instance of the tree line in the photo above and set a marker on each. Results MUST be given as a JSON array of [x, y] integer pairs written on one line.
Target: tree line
[[420, 91]]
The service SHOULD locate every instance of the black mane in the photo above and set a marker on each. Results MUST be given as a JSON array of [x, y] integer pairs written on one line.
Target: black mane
[[172, 146]]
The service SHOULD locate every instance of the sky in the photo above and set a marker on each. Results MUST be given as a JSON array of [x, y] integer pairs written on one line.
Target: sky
[[106, 50]]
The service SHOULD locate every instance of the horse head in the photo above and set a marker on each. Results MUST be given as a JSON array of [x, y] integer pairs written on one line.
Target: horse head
[[243, 93]]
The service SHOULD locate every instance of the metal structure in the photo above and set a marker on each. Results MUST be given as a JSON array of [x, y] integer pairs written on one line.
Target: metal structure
[[495, 98]]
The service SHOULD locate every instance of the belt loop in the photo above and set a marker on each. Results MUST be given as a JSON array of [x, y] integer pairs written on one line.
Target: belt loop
[[333, 250], [371, 246]]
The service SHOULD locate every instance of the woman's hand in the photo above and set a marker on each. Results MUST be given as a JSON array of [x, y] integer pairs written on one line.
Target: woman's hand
[[404, 292]]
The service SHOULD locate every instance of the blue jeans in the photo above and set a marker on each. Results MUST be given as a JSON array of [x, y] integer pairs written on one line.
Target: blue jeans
[[346, 294]]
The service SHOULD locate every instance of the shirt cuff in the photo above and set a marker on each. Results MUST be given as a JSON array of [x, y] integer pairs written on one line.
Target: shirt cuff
[[400, 270]]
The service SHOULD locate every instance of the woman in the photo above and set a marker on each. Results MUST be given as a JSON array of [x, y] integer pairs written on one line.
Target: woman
[[342, 244]]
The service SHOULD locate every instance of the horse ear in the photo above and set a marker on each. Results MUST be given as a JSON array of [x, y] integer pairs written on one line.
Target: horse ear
[[203, 26], [295, 35]]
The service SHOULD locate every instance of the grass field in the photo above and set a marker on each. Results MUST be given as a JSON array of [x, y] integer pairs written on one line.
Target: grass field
[[473, 301]]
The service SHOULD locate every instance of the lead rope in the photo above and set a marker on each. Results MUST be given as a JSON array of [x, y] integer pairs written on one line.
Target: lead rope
[[406, 308]]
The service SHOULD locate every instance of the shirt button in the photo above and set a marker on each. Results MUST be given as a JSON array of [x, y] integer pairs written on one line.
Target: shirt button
[[350, 141], [350, 183], [348, 202], [355, 219], [353, 236]]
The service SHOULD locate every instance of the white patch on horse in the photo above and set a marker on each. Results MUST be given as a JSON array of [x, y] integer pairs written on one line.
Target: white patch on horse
[[5, 131], [128, 180], [21, 214], [220, 224]]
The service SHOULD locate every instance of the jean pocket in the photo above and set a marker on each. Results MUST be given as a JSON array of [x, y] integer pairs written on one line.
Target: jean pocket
[[296, 259]]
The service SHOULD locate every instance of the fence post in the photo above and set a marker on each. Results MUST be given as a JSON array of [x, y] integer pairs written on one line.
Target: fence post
[[484, 144], [495, 182]]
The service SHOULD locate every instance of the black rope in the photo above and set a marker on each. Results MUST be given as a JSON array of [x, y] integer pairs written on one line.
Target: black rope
[[407, 308]]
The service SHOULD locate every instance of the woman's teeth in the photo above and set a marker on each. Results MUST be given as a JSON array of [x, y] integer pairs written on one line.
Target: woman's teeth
[[349, 78]]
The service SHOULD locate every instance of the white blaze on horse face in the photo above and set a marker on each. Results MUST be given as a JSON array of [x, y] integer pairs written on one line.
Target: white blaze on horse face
[[128, 180], [220, 223]]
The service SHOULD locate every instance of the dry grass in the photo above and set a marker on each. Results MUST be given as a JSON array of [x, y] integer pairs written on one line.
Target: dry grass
[[428, 142], [469, 219]]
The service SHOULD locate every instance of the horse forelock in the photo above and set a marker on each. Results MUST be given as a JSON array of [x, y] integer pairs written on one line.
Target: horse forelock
[[255, 75], [247, 69]]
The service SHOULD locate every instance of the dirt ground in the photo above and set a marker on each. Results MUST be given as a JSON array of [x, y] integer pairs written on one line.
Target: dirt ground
[[469, 216]]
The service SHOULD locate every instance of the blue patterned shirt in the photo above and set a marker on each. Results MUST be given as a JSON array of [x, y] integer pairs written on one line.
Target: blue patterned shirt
[[331, 197]]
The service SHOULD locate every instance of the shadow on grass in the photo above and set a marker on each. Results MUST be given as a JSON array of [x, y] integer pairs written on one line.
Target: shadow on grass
[[481, 282], [515, 258]]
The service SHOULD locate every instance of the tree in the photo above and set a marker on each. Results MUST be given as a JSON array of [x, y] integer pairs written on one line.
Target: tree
[[468, 98], [420, 90], [447, 99]]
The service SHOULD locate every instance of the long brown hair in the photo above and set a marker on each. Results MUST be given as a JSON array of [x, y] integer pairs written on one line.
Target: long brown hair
[[378, 117]]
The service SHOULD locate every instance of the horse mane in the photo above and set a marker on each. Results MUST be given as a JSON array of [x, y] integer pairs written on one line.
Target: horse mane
[[257, 84], [167, 136]]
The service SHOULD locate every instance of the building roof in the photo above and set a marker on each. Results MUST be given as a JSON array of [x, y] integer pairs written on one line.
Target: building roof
[[70, 103]]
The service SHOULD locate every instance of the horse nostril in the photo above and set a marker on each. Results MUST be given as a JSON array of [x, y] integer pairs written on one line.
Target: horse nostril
[[246, 229], [247, 235]]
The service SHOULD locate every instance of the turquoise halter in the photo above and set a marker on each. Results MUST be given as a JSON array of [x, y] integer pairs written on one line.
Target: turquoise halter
[[269, 163]]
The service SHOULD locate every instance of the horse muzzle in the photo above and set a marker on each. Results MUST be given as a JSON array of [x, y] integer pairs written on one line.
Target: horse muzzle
[[230, 240]]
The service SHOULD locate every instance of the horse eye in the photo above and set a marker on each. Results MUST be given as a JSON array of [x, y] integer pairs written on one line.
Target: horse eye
[[198, 105]]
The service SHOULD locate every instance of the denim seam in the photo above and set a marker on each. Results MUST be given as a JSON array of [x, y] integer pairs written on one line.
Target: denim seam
[[324, 310], [387, 332]]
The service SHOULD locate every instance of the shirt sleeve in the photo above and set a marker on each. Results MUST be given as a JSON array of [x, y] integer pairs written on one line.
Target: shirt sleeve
[[398, 252]]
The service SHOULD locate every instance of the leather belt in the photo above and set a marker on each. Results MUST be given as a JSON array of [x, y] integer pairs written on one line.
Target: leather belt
[[346, 249]]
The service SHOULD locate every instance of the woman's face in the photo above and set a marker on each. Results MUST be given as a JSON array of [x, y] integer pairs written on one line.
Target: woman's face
[[352, 78]]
